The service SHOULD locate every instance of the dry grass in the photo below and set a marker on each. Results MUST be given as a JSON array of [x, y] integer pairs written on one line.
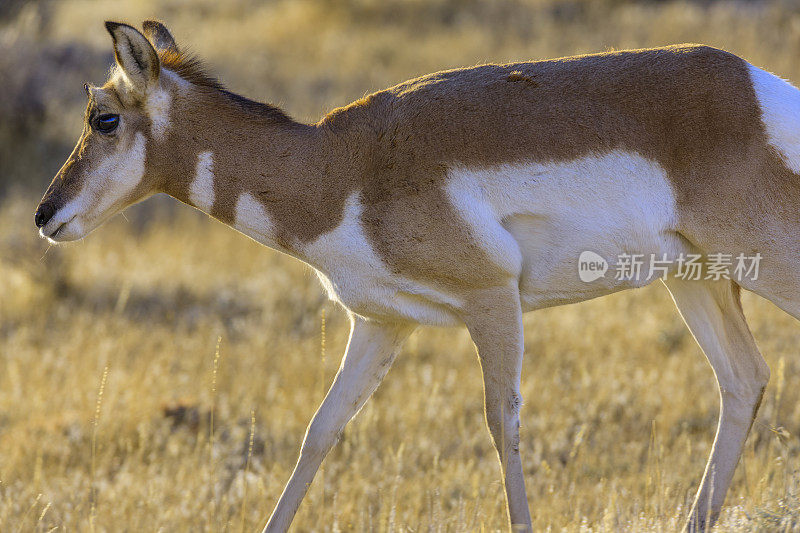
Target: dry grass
[[108, 372]]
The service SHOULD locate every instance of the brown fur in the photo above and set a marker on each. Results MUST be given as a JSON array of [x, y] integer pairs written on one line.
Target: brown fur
[[674, 105], [690, 108]]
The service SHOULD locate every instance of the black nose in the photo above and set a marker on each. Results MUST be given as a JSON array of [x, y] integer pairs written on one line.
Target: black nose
[[43, 215]]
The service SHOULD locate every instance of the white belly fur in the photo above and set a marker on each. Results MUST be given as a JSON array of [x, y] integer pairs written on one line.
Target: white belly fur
[[533, 220], [545, 215]]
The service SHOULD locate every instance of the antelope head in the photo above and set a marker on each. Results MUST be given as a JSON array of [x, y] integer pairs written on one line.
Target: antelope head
[[125, 119]]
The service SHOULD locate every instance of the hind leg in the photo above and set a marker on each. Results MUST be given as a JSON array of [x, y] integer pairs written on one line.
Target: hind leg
[[713, 312], [494, 321]]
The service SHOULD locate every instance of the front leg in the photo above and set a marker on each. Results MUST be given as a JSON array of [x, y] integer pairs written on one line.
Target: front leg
[[369, 355]]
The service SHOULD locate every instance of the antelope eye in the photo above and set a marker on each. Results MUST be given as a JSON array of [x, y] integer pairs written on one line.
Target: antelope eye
[[106, 123]]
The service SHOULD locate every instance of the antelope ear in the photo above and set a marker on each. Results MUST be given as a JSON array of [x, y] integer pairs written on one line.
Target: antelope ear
[[135, 55], [159, 35]]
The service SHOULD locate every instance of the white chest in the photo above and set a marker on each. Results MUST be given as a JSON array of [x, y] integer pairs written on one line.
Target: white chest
[[354, 276]]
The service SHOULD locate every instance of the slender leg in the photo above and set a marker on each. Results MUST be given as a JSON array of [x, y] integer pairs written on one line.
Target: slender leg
[[494, 321], [713, 312], [370, 352]]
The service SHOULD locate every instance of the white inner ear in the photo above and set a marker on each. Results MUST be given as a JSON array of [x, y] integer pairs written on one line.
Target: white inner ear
[[129, 63], [124, 49], [120, 79], [134, 75]]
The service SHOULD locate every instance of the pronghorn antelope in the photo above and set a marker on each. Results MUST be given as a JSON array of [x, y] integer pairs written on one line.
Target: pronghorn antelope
[[467, 197]]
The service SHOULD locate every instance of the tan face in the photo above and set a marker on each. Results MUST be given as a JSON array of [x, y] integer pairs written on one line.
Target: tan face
[[106, 171], [103, 175]]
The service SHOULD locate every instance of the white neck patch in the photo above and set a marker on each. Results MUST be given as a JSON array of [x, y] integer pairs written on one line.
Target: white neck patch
[[253, 220], [159, 101], [157, 107], [201, 192]]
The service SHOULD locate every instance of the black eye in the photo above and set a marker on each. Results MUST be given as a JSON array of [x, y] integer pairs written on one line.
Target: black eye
[[106, 123]]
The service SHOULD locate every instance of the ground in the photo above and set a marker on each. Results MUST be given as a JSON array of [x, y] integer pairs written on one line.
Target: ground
[[159, 374]]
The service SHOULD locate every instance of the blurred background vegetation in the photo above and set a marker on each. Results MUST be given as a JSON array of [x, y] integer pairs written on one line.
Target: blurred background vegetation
[[108, 374], [311, 56]]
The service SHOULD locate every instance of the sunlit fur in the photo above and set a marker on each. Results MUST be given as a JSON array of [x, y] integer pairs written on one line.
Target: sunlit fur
[[466, 197]]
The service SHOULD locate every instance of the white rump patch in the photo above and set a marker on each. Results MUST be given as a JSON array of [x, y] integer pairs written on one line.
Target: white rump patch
[[201, 192], [780, 111]]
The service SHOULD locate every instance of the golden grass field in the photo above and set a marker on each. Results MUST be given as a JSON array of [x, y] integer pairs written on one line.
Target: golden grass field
[[159, 374]]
